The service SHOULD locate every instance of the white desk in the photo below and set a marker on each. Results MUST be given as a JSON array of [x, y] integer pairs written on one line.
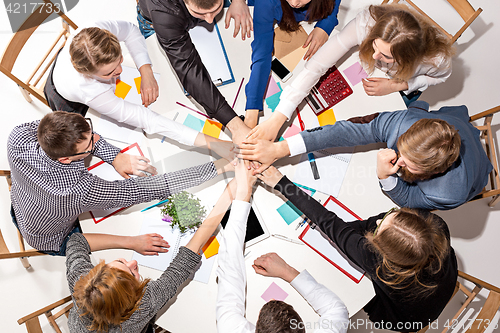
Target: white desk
[[194, 306]]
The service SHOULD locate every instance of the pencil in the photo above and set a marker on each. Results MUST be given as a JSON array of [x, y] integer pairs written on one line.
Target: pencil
[[234, 103], [198, 112]]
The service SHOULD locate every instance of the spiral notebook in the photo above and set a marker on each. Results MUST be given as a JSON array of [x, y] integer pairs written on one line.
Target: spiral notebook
[[332, 166], [322, 245]]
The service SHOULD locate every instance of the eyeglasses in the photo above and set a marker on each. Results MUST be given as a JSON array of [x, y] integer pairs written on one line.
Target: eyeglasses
[[92, 150], [392, 210]]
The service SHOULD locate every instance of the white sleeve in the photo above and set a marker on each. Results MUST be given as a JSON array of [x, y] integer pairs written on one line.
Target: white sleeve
[[130, 34], [326, 57], [151, 122], [296, 145], [430, 74], [230, 307], [334, 317]]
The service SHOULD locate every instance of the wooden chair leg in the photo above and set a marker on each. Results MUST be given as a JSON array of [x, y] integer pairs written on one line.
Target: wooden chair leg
[[494, 201], [26, 94]]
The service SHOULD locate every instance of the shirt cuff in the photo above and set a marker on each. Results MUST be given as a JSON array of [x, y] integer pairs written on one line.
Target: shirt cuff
[[304, 283], [296, 145], [286, 108], [389, 183], [241, 208]]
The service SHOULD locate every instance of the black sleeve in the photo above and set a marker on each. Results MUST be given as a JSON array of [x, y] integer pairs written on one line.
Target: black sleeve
[[172, 33], [350, 240]]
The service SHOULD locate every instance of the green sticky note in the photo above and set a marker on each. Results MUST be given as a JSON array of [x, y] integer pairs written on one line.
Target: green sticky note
[[194, 123], [289, 212]]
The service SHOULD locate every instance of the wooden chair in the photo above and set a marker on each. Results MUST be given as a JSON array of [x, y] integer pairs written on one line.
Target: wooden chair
[[463, 8], [23, 254], [32, 321], [17, 43], [488, 136], [465, 320]]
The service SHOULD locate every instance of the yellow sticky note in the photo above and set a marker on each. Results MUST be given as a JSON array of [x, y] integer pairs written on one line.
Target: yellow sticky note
[[137, 81], [212, 128], [122, 89], [326, 118], [211, 247]]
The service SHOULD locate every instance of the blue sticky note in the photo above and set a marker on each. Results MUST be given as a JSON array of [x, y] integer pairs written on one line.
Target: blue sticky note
[[289, 212], [194, 123]]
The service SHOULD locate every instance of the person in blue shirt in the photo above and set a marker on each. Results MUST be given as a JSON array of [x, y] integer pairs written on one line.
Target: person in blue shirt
[[288, 14]]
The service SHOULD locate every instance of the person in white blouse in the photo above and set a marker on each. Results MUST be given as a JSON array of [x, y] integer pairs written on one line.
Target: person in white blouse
[[230, 307], [413, 53], [85, 74]]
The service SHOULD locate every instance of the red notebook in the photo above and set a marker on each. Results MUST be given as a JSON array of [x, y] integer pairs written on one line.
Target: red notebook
[[322, 245], [331, 88], [107, 172]]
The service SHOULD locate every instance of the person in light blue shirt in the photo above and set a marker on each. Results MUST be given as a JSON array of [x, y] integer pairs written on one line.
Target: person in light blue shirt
[[288, 14]]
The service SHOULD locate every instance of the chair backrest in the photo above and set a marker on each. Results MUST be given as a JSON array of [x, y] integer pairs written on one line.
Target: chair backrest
[[462, 7], [23, 253], [19, 40], [32, 321], [488, 135]]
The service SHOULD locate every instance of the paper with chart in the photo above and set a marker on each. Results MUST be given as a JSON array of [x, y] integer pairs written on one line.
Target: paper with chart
[[209, 45], [129, 89], [332, 166], [175, 239]]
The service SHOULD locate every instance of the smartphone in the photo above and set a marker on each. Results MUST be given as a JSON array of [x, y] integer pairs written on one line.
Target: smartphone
[[279, 69]]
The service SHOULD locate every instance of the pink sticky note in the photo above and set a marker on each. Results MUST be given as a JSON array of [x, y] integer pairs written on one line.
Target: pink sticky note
[[274, 292], [272, 87], [355, 73], [291, 131]]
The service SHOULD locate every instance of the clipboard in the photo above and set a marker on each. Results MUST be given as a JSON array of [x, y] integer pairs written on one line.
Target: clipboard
[[107, 172], [208, 43], [321, 244]]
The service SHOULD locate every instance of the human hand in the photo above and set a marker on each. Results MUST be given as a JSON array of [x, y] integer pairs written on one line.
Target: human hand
[[263, 151], [224, 149], [268, 130], [149, 86], [273, 265], [316, 39], [239, 130], [379, 86], [126, 165], [149, 244], [244, 180], [386, 163], [238, 10], [271, 176]]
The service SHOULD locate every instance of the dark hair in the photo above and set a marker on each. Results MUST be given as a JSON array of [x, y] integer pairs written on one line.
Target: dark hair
[[203, 4], [413, 39], [278, 317], [318, 10], [413, 246], [59, 132]]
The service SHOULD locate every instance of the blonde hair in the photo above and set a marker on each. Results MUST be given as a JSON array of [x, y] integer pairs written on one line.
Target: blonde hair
[[413, 39], [431, 144], [108, 295], [92, 48], [413, 245]]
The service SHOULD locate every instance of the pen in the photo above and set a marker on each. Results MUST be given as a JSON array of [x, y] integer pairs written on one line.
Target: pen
[[300, 224], [286, 239], [310, 156], [243, 79], [159, 203], [187, 107]]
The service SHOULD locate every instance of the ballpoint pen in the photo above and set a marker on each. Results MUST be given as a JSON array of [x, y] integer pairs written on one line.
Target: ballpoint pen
[[310, 156], [286, 239], [159, 203], [300, 224]]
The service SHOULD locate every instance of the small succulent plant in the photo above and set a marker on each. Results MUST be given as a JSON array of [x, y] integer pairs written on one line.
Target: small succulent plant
[[184, 210]]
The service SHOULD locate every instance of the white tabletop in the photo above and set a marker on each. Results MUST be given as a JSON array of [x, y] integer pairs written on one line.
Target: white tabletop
[[194, 306]]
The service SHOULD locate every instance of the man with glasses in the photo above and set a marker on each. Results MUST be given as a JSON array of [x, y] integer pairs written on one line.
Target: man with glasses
[[51, 186]]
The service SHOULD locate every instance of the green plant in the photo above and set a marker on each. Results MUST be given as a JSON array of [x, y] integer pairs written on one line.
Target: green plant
[[183, 210]]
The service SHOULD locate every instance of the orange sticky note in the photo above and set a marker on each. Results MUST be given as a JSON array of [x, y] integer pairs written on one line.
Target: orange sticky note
[[326, 118], [211, 247], [122, 89], [137, 81], [212, 128]]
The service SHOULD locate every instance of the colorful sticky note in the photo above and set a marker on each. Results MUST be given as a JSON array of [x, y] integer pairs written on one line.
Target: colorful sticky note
[[292, 59], [212, 128], [291, 131], [326, 118], [355, 73], [272, 87], [211, 247], [122, 89], [289, 212], [137, 81], [274, 292], [194, 123], [273, 101], [308, 190]]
